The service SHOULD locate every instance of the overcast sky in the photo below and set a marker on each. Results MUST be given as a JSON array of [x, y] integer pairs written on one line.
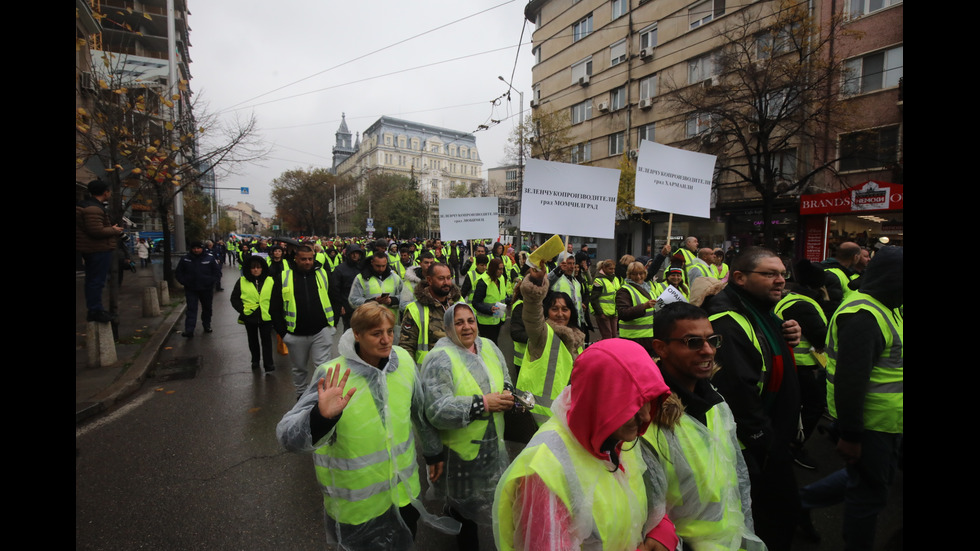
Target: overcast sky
[[447, 76]]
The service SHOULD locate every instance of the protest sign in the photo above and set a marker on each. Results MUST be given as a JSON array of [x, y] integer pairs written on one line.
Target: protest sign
[[674, 180], [569, 199], [468, 218]]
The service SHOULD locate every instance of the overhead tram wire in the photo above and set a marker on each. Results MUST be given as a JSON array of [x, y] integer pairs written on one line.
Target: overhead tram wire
[[423, 33]]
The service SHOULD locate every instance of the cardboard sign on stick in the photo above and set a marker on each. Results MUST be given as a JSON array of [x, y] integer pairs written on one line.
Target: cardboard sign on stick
[[674, 180], [563, 198], [468, 218]]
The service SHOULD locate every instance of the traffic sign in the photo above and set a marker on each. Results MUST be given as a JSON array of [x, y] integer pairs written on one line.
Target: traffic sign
[[244, 191]]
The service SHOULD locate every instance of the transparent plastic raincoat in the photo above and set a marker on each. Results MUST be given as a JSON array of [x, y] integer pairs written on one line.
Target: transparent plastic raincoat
[[574, 486], [708, 490], [454, 379], [366, 464]]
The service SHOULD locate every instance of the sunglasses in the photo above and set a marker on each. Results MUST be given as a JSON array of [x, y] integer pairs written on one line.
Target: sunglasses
[[697, 343]]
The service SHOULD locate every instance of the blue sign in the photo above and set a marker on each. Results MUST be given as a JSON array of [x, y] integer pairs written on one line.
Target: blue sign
[[244, 191]]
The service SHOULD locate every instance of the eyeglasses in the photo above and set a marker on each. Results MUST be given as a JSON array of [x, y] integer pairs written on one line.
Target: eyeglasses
[[697, 343], [769, 275]]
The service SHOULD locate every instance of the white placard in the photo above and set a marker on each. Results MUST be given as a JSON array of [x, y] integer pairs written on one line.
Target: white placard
[[674, 180], [468, 218], [569, 199], [669, 295]]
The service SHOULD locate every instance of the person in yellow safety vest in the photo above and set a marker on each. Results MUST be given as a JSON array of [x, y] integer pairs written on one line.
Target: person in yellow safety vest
[[357, 419], [580, 483], [377, 283], [490, 300], [554, 341], [413, 276], [804, 303], [277, 262], [498, 252], [566, 279], [422, 320], [467, 389], [760, 384], [865, 393], [688, 252], [635, 302], [473, 276], [300, 308], [603, 299], [518, 334], [839, 272], [708, 490], [719, 269], [333, 258], [675, 278], [246, 299]]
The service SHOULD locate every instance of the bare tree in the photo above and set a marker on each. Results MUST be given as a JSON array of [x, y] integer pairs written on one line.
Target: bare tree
[[154, 143], [542, 135], [772, 104]]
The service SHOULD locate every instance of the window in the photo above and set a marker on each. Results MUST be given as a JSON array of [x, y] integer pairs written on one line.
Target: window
[[869, 149], [581, 112], [616, 143], [785, 165], [774, 43], [648, 37], [537, 54], [874, 71], [698, 124], [648, 87], [415, 144], [701, 68], [617, 98], [776, 105], [401, 142], [582, 29], [536, 93], [581, 153], [387, 140], [581, 69], [645, 132], [618, 8], [864, 7], [704, 12], [617, 53]]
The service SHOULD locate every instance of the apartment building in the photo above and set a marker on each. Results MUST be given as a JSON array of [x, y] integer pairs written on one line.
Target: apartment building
[[661, 70]]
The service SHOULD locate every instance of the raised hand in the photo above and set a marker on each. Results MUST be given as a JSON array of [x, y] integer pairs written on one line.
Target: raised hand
[[331, 399]]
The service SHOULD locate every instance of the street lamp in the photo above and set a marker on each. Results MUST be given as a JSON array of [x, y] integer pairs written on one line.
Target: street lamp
[[520, 150]]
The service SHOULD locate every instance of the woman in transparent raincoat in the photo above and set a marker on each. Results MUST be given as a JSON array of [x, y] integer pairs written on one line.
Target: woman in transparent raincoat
[[357, 418], [467, 389], [579, 483]]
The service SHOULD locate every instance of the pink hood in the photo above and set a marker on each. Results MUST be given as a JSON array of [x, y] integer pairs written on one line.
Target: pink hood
[[610, 381]]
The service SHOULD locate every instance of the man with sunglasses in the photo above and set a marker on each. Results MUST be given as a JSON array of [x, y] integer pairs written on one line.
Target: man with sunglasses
[[707, 481], [758, 380]]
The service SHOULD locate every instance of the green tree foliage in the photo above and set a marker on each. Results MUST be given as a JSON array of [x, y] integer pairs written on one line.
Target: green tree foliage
[[394, 201], [302, 199]]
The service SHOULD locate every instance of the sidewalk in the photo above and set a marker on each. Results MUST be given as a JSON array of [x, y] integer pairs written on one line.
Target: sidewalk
[[137, 348]]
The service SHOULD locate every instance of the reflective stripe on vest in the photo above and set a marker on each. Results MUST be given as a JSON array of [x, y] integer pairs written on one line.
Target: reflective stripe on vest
[[750, 333], [607, 509], [520, 348], [720, 272], [251, 296], [884, 404], [802, 352], [377, 287], [546, 376], [466, 441], [641, 327], [843, 279], [607, 300], [704, 499], [369, 463], [494, 295], [421, 315], [289, 298]]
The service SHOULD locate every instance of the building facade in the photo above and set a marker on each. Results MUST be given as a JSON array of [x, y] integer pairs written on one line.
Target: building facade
[[634, 70], [444, 162]]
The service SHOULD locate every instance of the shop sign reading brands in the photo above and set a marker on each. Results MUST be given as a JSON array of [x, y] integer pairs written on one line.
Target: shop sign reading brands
[[869, 196]]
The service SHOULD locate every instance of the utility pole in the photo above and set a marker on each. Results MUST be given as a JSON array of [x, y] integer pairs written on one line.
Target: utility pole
[[520, 152]]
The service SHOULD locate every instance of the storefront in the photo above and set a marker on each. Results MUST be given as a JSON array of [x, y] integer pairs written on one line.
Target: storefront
[[869, 214]]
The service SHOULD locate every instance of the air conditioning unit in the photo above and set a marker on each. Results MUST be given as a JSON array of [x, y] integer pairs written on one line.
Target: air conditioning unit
[[534, 103], [646, 53], [603, 106], [583, 81], [634, 153], [707, 83], [88, 81], [646, 103]]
